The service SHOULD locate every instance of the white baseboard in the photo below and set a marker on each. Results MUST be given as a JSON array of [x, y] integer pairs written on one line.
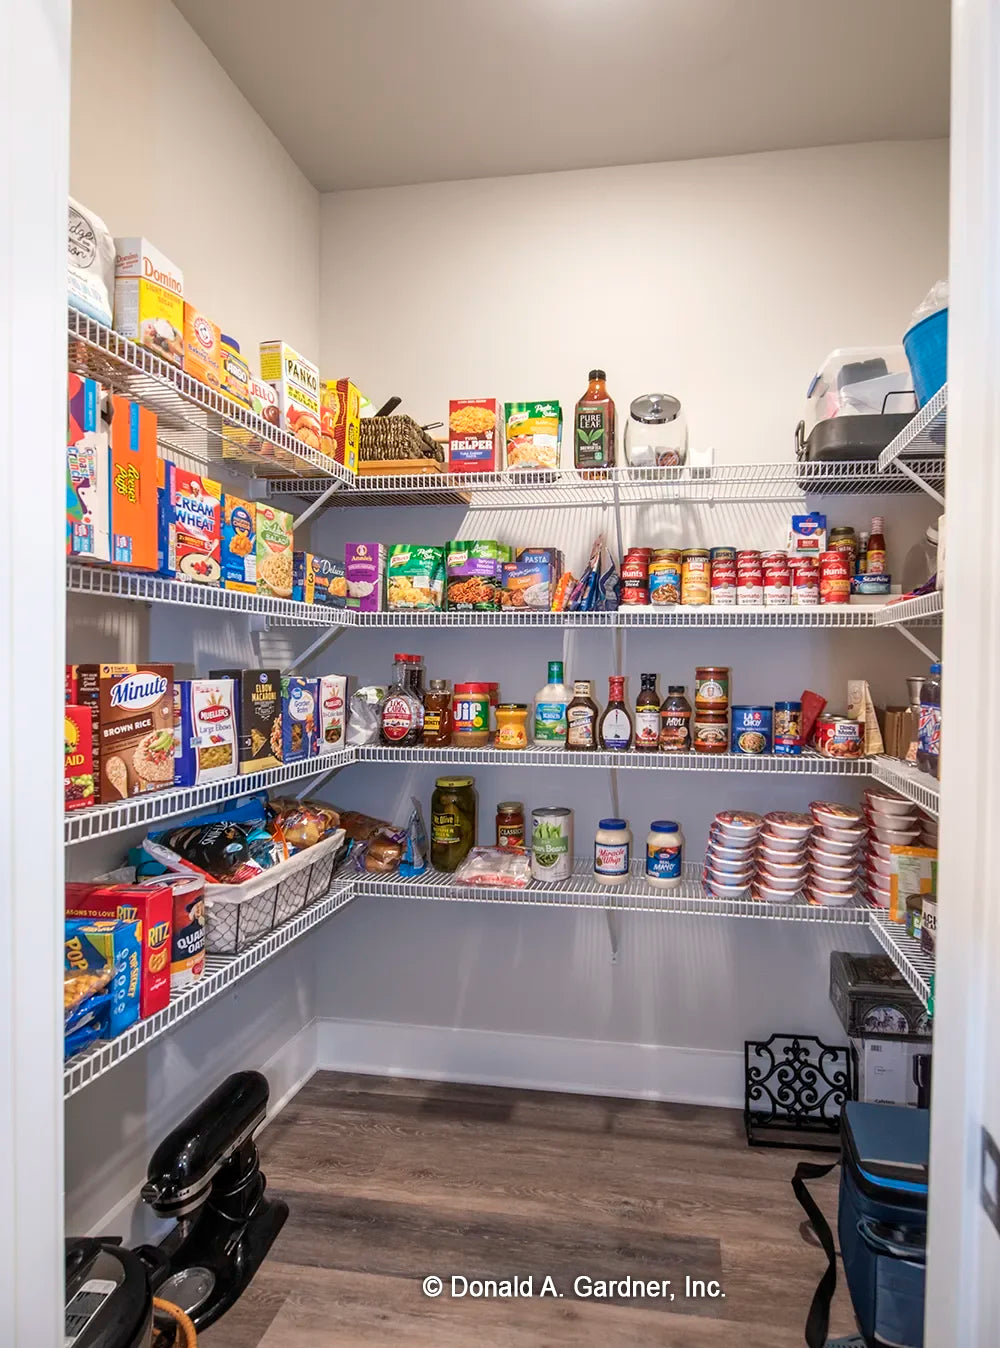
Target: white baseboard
[[532, 1062], [287, 1071]]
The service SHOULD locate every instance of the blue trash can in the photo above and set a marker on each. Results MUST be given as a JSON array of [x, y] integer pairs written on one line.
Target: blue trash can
[[926, 347]]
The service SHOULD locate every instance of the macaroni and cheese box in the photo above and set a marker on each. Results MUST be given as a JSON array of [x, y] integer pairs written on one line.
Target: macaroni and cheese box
[[90, 946], [299, 719], [475, 435], [340, 421], [190, 534], [149, 298], [332, 711], [274, 551], [258, 716], [234, 372], [205, 735], [296, 382], [329, 582], [134, 470], [88, 469], [239, 544], [78, 769], [303, 578], [150, 908], [202, 347], [364, 569]]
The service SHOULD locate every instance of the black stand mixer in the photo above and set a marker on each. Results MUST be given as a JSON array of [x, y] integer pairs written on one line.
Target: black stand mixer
[[206, 1175]]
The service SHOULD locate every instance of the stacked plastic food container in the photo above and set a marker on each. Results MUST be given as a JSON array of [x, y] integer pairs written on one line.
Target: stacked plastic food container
[[892, 821], [835, 850]]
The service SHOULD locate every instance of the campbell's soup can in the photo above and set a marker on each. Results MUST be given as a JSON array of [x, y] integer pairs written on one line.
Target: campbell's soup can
[[837, 737], [696, 576], [749, 578], [723, 578], [805, 581], [834, 578], [777, 579]]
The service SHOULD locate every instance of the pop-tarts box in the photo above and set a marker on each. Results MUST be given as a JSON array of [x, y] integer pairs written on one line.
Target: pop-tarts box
[[88, 467], [133, 485], [299, 718], [149, 908], [90, 945]]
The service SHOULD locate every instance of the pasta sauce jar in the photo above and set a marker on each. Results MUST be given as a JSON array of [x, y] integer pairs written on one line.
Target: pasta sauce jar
[[711, 732], [711, 688], [510, 825]]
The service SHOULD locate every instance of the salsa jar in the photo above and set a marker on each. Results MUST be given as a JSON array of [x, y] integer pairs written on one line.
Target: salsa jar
[[696, 576], [453, 822], [635, 576], [752, 731], [834, 578], [838, 737], [788, 727], [510, 825], [471, 715], [711, 732], [665, 576], [711, 688], [512, 725]]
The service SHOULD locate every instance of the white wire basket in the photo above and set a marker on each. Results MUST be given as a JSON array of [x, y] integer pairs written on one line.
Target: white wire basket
[[235, 915]]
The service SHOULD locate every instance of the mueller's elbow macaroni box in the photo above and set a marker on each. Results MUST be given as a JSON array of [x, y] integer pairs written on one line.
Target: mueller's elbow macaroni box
[[239, 544], [190, 533], [149, 299], [340, 421], [134, 468], [205, 731], [88, 467], [150, 907], [202, 347], [296, 382]]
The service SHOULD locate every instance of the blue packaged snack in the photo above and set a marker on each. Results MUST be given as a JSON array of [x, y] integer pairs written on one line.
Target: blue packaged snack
[[752, 731], [299, 718], [90, 946]]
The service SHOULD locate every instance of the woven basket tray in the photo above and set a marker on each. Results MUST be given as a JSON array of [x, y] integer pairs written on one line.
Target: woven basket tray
[[397, 437]]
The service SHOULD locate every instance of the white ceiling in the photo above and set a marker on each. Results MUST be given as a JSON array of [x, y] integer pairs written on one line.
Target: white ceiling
[[373, 93]]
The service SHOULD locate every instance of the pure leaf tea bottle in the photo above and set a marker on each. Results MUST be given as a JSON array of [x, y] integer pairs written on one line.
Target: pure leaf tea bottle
[[616, 723], [647, 715], [581, 716], [594, 427]]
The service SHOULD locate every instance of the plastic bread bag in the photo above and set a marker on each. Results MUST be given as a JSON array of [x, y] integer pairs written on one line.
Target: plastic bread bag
[[414, 859], [363, 721], [381, 853], [494, 868]]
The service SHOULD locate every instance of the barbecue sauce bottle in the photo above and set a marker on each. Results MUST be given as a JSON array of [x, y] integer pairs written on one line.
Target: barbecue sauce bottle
[[616, 723]]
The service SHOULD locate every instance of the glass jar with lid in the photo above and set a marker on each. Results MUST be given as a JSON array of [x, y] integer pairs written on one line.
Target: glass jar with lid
[[512, 725], [437, 714], [656, 431], [453, 822]]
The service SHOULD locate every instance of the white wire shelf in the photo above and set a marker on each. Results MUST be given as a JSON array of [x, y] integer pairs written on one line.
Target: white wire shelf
[[920, 787], [787, 481], [102, 820], [755, 615], [192, 418], [221, 971], [116, 583], [545, 756], [582, 890], [923, 609], [925, 433], [907, 955]]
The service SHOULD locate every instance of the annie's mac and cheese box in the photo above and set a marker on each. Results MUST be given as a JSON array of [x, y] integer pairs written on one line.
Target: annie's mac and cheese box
[[149, 298]]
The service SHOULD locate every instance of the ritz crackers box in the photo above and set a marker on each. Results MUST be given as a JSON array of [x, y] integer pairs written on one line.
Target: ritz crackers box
[[151, 908]]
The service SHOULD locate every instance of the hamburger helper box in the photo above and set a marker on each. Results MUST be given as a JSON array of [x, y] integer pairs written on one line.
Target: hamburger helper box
[[133, 485], [475, 430], [150, 907]]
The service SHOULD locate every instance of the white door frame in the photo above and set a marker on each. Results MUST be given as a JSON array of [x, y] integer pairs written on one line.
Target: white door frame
[[963, 1288], [34, 171]]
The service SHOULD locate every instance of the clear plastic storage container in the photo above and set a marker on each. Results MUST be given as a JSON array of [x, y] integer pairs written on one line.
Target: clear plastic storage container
[[860, 381]]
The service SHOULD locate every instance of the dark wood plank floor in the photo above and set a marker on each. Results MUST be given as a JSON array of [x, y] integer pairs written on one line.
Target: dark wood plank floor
[[389, 1181]]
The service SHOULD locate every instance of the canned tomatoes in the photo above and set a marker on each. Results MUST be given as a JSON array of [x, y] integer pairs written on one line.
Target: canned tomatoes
[[752, 732], [635, 576], [837, 737], [805, 580], [834, 578], [788, 727], [777, 579]]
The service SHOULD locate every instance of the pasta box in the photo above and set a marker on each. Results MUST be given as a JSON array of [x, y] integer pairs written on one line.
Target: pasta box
[[91, 944], [133, 485], [299, 723], [150, 907], [872, 999], [340, 421], [475, 435], [78, 736], [332, 711], [364, 570], [190, 525], [258, 716], [135, 729], [238, 548], [296, 382], [88, 467], [274, 551], [205, 739]]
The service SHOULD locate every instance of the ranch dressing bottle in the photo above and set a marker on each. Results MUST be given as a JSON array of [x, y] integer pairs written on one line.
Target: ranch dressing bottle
[[550, 708]]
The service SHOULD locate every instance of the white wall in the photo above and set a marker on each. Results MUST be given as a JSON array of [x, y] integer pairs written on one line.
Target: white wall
[[724, 282], [164, 144]]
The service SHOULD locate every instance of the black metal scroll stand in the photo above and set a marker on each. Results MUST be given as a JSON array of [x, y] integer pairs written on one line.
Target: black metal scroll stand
[[795, 1087]]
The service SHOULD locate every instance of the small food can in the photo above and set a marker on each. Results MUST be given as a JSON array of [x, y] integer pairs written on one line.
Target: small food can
[[552, 842], [834, 578], [805, 581], [788, 727], [635, 576], [752, 731], [696, 576], [837, 737], [711, 732], [665, 576], [777, 580], [711, 688], [749, 578], [723, 555], [724, 581]]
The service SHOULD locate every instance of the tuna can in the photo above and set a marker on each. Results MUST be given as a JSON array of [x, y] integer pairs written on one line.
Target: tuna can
[[552, 843], [752, 731], [788, 727]]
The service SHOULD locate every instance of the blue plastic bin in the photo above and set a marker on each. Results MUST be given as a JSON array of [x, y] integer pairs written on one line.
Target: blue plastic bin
[[926, 347]]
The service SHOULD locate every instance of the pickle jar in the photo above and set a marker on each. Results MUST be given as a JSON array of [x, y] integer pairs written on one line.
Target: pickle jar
[[453, 822]]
